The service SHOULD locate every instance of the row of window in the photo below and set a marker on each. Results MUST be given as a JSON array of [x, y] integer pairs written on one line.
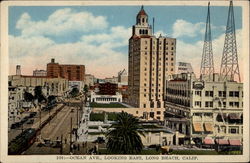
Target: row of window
[[210, 104], [160, 42], [220, 93]]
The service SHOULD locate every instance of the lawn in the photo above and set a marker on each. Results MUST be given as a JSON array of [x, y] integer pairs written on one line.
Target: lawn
[[111, 105], [100, 116]]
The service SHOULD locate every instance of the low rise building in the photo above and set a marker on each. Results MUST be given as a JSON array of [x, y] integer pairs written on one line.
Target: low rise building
[[183, 67], [106, 99], [113, 80], [39, 73], [89, 80], [55, 86], [123, 77], [203, 109]]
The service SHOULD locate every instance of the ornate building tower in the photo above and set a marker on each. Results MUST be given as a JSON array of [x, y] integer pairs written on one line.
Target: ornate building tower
[[151, 60]]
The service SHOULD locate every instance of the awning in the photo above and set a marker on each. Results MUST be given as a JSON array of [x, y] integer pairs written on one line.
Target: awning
[[235, 142], [197, 127], [208, 127], [234, 116], [222, 141], [208, 141]]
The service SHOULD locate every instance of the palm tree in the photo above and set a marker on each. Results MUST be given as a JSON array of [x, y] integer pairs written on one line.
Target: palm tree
[[124, 138]]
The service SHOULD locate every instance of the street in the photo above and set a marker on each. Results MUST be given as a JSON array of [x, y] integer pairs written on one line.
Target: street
[[60, 127]]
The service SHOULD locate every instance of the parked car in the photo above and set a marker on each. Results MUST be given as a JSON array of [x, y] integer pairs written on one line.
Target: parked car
[[31, 121]]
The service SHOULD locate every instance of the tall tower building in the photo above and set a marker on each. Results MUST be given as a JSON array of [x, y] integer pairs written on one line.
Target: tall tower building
[[151, 61]]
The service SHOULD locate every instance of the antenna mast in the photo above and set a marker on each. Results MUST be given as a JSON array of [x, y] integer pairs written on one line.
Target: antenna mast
[[207, 62], [229, 69]]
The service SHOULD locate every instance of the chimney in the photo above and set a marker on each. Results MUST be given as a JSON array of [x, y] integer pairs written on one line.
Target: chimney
[[53, 60], [18, 69]]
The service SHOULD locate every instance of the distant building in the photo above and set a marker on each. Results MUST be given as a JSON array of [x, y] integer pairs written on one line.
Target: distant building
[[113, 80], [70, 72], [107, 89], [205, 109], [76, 84], [39, 73], [183, 67], [106, 99], [55, 86], [123, 77], [151, 61], [89, 80]]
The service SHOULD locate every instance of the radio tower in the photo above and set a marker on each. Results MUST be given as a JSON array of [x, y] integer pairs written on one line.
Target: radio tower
[[207, 62], [229, 69]]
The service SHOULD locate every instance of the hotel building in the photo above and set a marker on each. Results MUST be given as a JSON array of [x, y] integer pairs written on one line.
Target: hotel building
[[151, 60]]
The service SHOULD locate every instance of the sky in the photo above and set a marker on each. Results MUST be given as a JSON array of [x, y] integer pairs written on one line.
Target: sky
[[97, 36]]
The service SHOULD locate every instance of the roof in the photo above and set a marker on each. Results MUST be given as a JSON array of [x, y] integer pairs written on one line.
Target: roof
[[142, 11]]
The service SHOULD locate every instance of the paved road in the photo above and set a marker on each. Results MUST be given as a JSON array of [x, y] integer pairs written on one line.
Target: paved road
[[44, 115], [59, 126]]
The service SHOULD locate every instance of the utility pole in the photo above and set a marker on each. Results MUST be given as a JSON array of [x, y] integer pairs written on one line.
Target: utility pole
[[229, 69], [70, 141], [61, 149], [207, 62]]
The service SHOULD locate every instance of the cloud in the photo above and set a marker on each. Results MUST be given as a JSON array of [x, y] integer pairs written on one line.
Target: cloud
[[33, 49], [117, 36], [61, 22], [183, 28]]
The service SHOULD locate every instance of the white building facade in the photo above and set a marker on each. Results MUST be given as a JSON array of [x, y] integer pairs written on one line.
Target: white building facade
[[208, 109]]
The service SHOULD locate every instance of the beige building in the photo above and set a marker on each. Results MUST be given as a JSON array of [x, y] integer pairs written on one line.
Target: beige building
[[205, 109], [151, 60], [89, 80], [55, 86]]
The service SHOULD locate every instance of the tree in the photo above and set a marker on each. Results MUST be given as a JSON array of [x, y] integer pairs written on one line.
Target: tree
[[74, 92], [51, 99], [86, 88], [39, 94], [28, 96], [124, 138]]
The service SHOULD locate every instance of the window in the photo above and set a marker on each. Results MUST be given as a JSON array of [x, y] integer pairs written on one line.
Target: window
[[198, 93], [208, 104], [145, 95], [233, 93], [197, 103], [158, 112], [144, 105], [145, 90], [222, 93], [233, 130], [209, 93]]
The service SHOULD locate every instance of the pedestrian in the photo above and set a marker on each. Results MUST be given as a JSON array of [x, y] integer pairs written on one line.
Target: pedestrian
[[65, 140], [78, 147], [82, 144]]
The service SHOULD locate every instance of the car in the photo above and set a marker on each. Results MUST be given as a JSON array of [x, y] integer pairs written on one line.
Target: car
[[31, 121], [13, 126]]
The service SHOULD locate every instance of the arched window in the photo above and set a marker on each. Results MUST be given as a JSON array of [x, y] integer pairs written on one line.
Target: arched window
[[146, 32], [140, 31], [143, 20]]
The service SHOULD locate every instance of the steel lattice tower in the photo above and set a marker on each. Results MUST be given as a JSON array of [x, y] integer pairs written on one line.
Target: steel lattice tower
[[229, 63], [207, 62]]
